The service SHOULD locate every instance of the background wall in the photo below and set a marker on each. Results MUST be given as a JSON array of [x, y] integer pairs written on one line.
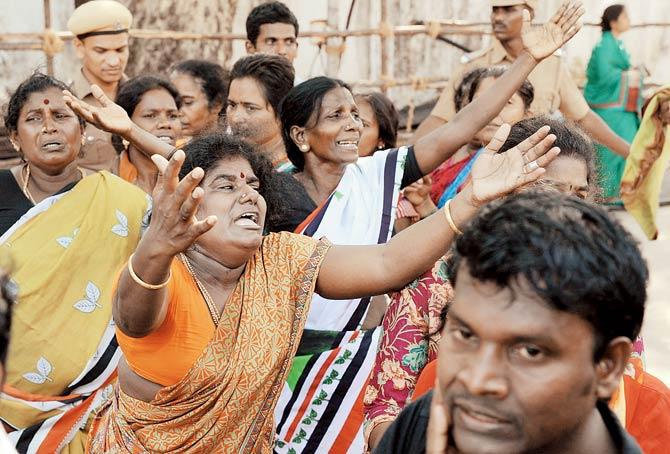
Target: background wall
[[417, 56]]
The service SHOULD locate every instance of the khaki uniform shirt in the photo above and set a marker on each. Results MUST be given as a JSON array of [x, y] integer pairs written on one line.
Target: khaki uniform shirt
[[97, 152], [554, 87]]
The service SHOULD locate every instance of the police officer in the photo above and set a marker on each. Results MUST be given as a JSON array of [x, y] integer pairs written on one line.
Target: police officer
[[554, 88], [101, 42]]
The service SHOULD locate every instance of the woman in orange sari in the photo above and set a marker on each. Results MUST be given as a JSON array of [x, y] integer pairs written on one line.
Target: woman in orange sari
[[209, 312]]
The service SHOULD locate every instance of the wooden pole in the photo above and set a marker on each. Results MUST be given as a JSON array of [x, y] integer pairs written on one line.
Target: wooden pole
[[385, 66], [47, 25]]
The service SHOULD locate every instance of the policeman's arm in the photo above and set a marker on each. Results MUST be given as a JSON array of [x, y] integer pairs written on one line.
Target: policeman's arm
[[602, 134]]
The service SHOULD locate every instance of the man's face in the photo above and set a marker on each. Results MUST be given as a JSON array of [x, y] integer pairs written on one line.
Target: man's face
[[276, 39], [516, 375], [249, 114], [507, 22], [104, 57]]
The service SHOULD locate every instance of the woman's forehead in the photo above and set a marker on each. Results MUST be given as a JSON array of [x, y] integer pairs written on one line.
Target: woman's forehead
[[336, 97], [233, 166], [51, 96]]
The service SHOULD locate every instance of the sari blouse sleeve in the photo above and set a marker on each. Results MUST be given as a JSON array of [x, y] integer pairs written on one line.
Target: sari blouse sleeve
[[411, 320]]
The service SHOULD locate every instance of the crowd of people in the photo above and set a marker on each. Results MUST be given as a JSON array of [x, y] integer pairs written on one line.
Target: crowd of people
[[214, 260]]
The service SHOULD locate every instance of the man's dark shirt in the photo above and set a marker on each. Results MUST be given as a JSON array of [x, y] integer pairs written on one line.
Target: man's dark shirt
[[407, 434]]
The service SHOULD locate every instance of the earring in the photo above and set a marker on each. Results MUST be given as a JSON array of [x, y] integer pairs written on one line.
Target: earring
[[83, 141], [304, 148], [15, 146]]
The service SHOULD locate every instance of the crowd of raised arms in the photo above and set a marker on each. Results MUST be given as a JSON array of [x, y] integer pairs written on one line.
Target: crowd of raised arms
[[218, 260]]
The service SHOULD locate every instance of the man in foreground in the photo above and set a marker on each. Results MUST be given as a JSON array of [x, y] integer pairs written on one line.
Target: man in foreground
[[549, 294]]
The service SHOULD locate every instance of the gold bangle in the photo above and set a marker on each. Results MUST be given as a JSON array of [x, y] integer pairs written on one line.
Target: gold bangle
[[450, 220], [140, 282]]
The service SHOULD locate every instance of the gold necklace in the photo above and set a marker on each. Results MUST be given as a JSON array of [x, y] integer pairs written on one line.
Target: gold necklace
[[26, 179], [213, 312]]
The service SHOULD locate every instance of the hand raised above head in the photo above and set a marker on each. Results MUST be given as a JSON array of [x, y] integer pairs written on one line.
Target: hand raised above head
[[542, 41], [175, 202], [495, 174], [108, 116]]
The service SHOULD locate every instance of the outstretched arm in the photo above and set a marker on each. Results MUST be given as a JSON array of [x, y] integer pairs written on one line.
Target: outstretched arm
[[173, 228], [356, 271], [435, 148], [603, 134], [111, 117]]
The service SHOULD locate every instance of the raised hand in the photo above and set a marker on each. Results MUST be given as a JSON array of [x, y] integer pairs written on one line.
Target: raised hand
[[497, 174], [109, 116], [419, 192], [174, 225], [541, 42]]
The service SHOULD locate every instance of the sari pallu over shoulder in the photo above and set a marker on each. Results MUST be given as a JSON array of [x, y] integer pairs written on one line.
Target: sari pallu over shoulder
[[225, 402], [321, 407], [63, 353]]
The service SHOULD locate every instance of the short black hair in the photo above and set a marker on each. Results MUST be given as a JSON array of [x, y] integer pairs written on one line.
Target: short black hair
[[36, 83], [611, 14], [130, 95], [386, 116], [300, 105], [273, 73], [465, 92], [572, 254], [207, 150], [269, 13], [212, 77], [570, 138]]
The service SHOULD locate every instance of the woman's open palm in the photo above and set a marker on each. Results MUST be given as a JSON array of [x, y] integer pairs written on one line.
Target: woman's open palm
[[541, 42], [497, 174], [108, 116]]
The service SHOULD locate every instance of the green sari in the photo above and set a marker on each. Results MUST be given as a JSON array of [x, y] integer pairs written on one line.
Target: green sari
[[607, 91]]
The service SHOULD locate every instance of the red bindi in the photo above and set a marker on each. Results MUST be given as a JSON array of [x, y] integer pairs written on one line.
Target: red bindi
[[45, 101]]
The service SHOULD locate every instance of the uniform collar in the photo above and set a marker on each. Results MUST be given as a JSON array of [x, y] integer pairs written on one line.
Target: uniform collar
[[81, 85], [499, 54]]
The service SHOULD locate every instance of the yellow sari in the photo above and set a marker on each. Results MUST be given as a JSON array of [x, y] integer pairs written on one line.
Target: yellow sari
[[226, 400], [645, 168], [63, 353]]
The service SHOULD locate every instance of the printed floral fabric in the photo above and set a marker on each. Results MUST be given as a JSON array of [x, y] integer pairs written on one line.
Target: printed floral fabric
[[409, 342]]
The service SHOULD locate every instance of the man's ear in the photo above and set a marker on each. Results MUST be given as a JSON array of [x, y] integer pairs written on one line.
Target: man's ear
[[612, 365], [249, 46], [79, 48]]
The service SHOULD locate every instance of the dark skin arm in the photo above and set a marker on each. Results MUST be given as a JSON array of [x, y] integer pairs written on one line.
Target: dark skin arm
[[603, 134], [357, 271], [433, 149], [111, 117], [347, 271]]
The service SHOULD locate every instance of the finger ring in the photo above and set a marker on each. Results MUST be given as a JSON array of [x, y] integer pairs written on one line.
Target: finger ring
[[532, 167]]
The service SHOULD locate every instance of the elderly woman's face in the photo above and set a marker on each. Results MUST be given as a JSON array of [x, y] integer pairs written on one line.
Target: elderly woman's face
[[338, 128], [48, 132], [567, 174], [157, 113], [231, 194]]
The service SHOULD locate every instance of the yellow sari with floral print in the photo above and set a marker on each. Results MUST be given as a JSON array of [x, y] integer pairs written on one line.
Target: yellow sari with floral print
[[63, 353]]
